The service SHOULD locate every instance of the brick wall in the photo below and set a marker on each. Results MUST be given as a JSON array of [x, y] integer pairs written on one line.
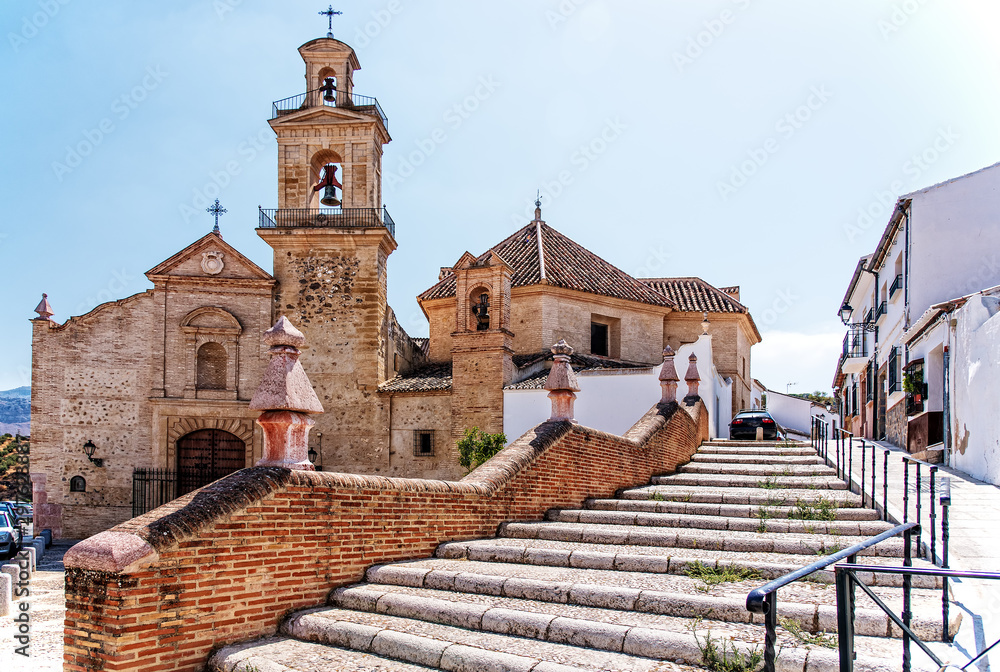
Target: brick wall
[[228, 562]]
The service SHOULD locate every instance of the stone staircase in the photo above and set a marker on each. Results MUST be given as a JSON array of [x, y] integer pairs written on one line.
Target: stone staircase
[[655, 579]]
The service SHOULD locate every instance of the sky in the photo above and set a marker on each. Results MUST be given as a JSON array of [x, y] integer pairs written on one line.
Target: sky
[[758, 143]]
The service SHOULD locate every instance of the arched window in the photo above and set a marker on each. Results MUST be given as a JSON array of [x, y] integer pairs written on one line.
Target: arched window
[[480, 303], [77, 484], [212, 364]]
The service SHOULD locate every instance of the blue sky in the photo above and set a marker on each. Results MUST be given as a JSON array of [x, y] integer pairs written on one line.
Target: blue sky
[[735, 140]]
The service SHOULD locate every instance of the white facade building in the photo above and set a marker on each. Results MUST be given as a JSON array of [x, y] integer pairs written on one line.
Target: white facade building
[[940, 242]]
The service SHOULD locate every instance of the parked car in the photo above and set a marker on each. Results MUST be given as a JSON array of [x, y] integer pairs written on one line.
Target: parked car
[[11, 510], [11, 540], [745, 424]]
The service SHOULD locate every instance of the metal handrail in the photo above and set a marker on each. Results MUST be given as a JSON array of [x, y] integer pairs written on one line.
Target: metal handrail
[[846, 579], [321, 218], [316, 98], [756, 597]]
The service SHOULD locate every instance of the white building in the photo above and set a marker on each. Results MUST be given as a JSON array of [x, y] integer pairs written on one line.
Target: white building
[[940, 242]]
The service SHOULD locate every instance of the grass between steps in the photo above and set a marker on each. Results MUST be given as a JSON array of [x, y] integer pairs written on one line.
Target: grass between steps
[[713, 576], [823, 639], [726, 658]]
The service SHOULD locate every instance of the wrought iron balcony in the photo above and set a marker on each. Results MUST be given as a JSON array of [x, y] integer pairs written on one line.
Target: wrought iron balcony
[[880, 311], [323, 218], [897, 285], [855, 343], [321, 98]]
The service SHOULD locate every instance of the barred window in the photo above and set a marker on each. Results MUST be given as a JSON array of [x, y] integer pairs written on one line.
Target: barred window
[[423, 443], [77, 484], [895, 380]]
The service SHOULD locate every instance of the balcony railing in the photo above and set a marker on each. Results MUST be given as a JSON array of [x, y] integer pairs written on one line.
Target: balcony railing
[[318, 98], [327, 218], [869, 316], [880, 311], [855, 343], [897, 285]]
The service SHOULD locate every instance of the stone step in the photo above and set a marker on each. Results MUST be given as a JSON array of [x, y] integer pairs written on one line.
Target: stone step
[[758, 470], [285, 654], [752, 496], [466, 600], [652, 559], [540, 643], [754, 458], [764, 482], [740, 542], [766, 520], [752, 449], [729, 510]]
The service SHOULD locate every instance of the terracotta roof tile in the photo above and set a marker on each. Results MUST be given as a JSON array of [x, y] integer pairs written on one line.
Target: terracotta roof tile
[[432, 377], [567, 264], [579, 362], [695, 295]]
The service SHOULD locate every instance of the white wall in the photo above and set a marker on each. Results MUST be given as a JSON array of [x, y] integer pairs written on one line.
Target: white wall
[[976, 386], [955, 246], [614, 400], [794, 413]]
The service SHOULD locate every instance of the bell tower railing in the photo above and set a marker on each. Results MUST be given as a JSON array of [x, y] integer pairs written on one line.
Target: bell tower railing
[[326, 98], [360, 218]]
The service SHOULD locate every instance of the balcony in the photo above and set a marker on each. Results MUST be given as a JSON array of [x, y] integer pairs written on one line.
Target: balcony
[[897, 285], [880, 311], [324, 98], [327, 218], [854, 357]]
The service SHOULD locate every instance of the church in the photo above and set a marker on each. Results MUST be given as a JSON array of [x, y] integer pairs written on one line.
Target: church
[[146, 398]]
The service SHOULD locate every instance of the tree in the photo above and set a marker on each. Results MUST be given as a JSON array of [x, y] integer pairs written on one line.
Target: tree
[[478, 446], [818, 397]]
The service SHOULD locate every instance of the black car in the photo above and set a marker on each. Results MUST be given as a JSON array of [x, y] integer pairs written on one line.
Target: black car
[[745, 424]]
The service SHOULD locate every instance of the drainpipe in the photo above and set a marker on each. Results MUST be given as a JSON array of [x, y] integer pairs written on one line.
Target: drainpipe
[[947, 400]]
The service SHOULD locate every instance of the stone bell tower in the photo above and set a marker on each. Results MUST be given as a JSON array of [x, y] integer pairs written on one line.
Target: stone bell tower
[[330, 262], [482, 344]]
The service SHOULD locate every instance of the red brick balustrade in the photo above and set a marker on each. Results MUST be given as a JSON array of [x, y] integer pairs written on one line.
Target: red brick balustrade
[[227, 562]]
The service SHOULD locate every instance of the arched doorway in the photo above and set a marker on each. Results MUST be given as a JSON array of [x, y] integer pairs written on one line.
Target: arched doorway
[[207, 455]]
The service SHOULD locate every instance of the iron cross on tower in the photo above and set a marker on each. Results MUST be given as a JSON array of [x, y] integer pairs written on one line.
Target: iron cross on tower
[[329, 14], [216, 210]]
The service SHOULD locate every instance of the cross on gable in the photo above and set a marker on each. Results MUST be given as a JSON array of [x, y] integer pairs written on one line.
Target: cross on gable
[[329, 14], [216, 210]]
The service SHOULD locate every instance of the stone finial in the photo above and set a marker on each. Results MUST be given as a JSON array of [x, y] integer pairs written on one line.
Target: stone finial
[[705, 324], [562, 383], [692, 377], [287, 398], [44, 308], [668, 377]]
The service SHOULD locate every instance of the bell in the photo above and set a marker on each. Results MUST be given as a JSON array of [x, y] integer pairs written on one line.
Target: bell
[[330, 197], [328, 90]]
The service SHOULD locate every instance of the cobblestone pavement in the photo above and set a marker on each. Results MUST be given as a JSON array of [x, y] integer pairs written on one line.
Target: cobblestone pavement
[[47, 608]]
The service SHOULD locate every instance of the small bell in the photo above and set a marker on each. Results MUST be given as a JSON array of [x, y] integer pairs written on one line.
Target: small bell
[[328, 91], [330, 197]]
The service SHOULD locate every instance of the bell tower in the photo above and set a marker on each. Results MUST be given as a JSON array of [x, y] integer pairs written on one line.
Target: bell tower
[[482, 343], [331, 239]]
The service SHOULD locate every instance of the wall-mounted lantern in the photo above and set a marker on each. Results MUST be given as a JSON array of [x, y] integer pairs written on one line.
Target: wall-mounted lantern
[[845, 313], [88, 450]]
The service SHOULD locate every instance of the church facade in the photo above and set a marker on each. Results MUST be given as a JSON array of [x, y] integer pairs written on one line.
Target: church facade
[[145, 398]]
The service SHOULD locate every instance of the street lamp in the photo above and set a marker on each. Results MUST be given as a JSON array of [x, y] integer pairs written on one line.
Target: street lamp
[[845, 313], [88, 450]]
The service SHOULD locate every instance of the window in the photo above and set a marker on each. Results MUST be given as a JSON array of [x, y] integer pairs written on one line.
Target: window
[[599, 339], [895, 381], [423, 443], [77, 484], [212, 365]]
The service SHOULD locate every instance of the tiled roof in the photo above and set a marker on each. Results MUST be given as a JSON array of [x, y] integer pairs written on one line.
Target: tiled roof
[[567, 264], [579, 362], [428, 378], [695, 295]]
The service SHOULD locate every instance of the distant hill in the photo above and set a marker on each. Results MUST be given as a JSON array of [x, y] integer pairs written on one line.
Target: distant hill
[[15, 411]]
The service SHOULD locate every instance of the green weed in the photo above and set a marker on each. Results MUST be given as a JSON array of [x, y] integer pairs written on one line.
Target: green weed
[[727, 658], [769, 483], [713, 576], [823, 639], [821, 509]]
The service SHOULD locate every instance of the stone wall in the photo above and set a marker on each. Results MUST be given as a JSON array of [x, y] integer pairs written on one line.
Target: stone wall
[[227, 562], [411, 412], [895, 425]]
